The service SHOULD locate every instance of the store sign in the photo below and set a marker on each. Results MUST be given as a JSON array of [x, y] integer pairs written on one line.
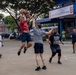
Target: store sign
[[61, 12]]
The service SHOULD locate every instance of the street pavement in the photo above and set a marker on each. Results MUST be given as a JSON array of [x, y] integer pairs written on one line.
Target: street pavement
[[12, 64]]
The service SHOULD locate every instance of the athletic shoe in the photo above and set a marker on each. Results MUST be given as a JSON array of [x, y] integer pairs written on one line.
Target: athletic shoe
[[0, 55], [19, 52], [25, 49], [38, 68], [50, 60], [44, 68], [2, 45], [73, 51], [59, 62]]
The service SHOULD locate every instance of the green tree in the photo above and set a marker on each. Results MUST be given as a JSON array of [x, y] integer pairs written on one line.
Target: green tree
[[9, 21], [34, 6]]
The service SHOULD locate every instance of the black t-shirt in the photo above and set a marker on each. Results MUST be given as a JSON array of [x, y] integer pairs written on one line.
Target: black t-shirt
[[54, 39], [74, 37]]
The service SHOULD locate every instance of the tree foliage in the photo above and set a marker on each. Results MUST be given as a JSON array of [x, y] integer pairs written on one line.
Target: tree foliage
[[9, 21], [34, 6]]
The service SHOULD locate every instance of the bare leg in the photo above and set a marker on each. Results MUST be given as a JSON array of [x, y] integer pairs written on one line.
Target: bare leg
[[53, 54], [22, 46], [29, 45], [59, 62], [38, 67], [37, 60], [59, 57], [41, 55], [73, 47], [44, 67]]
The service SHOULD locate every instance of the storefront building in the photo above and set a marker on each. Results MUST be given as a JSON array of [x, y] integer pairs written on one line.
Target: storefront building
[[64, 13]]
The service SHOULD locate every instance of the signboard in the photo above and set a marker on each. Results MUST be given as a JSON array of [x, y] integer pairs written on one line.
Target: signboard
[[68, 10]]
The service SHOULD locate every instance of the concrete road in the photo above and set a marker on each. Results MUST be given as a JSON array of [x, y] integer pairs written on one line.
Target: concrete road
[[11, 64]]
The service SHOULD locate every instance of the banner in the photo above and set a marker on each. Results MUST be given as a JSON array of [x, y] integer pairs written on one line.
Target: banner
[[61, 12]]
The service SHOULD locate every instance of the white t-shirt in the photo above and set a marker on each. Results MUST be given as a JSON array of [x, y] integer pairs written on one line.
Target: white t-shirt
[[0, 40]]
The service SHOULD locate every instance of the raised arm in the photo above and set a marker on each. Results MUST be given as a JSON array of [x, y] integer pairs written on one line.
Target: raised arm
[[28, 17], [50, 31], [62, 42], [23, 13], [34, 20]]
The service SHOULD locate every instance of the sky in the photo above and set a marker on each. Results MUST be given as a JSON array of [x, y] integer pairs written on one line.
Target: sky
[[4, 13]]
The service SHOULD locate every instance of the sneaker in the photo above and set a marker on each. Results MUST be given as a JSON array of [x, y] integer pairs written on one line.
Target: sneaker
[[2, 45], [25, 49], [19, 52], [0, 55], [38, 68], [59, 62], [44, 68], [50, 60], [73, 51]]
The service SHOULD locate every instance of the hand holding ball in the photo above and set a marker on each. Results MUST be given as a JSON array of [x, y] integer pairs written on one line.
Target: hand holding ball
[[23, 11]]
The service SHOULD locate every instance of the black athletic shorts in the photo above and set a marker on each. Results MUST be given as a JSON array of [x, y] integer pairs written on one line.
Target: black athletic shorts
[[56, 49], [73, 42], [38, 48]]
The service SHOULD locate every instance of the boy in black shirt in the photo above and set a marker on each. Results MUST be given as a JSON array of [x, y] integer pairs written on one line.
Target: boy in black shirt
[[54, 45], [74, 39]]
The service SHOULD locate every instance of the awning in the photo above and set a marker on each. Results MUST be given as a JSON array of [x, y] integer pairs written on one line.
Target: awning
[[47, 20]]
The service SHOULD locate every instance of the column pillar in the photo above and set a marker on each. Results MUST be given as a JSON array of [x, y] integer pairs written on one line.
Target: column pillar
[[61, 27]]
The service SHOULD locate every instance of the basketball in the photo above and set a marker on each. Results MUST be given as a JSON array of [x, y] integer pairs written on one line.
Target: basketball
[[23, 11]]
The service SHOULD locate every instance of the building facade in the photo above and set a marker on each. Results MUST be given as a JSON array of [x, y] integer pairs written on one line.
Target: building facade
[[63, 13], [3, 27]]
